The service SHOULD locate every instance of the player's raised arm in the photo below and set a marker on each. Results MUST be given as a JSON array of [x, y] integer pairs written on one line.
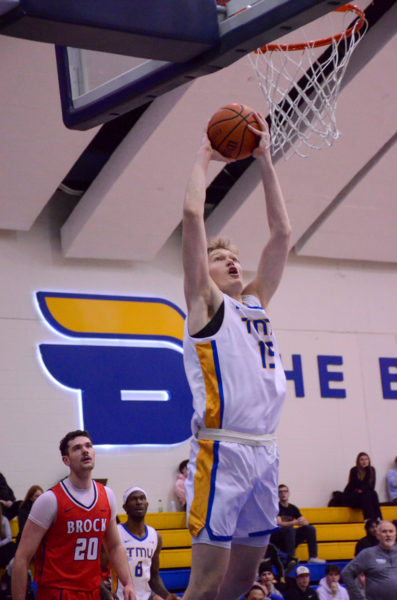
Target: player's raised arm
[[202, 295], [275, 253]]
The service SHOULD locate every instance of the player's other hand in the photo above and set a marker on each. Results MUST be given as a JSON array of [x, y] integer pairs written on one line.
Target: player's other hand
[[263, 147], [129, 592], [172, 597], [207, 149]]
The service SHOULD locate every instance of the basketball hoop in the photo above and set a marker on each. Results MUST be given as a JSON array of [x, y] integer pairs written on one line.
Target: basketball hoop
[[302, 85]]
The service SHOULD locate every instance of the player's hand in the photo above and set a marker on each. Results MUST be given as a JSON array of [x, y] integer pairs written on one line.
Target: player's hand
[[263, 147], [206, 148], [172, 597], [129, 592]]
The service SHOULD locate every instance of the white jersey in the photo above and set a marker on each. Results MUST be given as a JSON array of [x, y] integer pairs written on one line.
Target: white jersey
[[139, 555], [236, 375]]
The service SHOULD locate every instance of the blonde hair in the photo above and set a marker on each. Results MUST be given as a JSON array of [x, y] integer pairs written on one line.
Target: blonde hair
[[221, 243]]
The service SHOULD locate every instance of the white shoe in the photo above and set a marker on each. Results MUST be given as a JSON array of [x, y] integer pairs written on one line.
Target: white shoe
[[316, 560]]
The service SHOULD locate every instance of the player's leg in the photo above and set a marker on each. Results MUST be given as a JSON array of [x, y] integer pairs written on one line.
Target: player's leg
[[209, 565], [256, 521], [241, 572], [216, 489]]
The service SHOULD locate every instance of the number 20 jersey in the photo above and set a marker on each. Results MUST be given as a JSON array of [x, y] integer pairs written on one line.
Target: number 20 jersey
[[236, 375], [69, 555]]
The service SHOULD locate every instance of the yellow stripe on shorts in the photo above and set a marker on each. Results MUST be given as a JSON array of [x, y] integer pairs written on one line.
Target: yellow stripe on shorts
[[213, 401], [202, 484]]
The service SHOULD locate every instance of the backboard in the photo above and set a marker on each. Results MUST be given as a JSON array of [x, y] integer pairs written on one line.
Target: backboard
[[117, 55]]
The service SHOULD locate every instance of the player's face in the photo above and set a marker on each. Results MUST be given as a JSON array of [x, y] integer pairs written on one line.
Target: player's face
[[136, 505], [225, 269], [386, 534], [81, 455]]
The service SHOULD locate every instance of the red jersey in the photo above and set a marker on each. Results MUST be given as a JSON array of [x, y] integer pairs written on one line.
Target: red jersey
[[69, 554]]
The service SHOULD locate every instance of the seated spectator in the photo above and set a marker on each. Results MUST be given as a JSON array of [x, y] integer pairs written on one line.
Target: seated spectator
[[180, 484], [287, 538], [8, 502], [360, 490], [256, 592], [260, 592], [370, 539], [379, 565], [272, 562], [329, 586], [7, 546], [266, 577], [32, 494], [300, 589], [391, 482]]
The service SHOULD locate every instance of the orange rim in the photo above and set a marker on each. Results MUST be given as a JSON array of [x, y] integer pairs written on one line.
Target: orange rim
[[322, 41]]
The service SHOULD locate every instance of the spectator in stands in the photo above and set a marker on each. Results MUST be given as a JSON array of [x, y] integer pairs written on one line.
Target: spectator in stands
[[8, 502], [287, 538], [180, 484], [266, 577], [300, 589], [256, 592], [329, 586], [360, 490], [272, 562], [379, 565], [391, 482], [32, 494], [7, 546], [260, 592], [370, 539]]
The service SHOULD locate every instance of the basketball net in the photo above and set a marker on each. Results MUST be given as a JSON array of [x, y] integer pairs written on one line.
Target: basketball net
[[302, 84]]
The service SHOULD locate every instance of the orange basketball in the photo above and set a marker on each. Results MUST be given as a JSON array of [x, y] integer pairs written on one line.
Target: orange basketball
[[229, 133]]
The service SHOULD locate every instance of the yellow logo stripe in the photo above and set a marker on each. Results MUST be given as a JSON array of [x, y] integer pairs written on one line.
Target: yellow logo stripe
[[102, 316]]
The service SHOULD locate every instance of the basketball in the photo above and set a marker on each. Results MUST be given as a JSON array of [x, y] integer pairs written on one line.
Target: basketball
[[229, 133]]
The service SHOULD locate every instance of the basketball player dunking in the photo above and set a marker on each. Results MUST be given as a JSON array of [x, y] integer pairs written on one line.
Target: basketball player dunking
[[238, 385], [66, 529]]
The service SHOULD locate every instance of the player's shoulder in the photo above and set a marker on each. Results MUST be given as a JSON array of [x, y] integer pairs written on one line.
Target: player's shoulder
[[47, 497], [252, 302], [152, 531], [109, 492]]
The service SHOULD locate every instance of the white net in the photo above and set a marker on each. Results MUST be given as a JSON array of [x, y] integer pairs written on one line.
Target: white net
[[301, 87]]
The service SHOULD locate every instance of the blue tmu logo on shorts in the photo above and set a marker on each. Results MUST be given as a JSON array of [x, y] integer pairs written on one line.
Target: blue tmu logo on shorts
[[127, 365]]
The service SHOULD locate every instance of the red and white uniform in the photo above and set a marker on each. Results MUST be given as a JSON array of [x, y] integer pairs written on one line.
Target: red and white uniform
[[69, 555]]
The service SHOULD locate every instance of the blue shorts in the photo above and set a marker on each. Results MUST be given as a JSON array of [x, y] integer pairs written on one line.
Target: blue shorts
[[232, 492]]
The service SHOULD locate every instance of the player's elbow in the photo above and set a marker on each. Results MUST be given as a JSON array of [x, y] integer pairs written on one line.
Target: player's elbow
[[192, 210], [283, 230], [282, 234]]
